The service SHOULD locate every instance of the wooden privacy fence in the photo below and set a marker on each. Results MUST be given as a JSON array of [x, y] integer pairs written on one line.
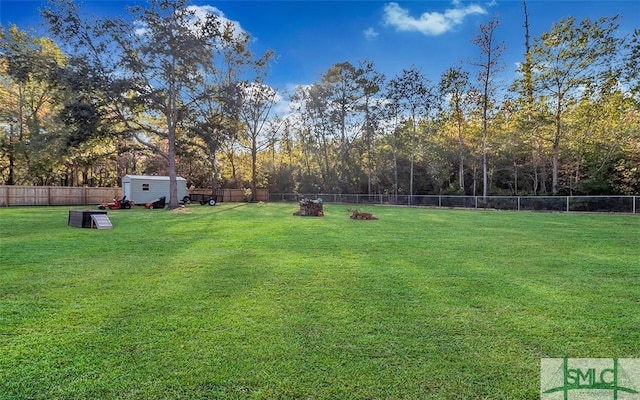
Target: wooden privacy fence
[[55, 195], [75, 196]]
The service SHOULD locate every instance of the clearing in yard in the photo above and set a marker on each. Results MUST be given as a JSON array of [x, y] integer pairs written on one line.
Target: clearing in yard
[[248, 301]]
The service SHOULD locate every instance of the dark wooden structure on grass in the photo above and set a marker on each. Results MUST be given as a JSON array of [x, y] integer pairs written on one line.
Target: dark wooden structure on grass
[[82, 218]]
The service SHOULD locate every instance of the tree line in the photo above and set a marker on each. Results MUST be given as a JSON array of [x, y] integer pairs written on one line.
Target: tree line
[[173, 91]]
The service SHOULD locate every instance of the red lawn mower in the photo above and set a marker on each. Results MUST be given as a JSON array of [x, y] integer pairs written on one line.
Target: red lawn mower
[[156, 204], [117, 204]]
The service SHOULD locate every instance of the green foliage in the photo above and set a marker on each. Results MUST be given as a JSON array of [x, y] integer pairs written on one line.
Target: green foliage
[[247, 301], [632, 64], [28, 103], [172, 87], [570, 57]]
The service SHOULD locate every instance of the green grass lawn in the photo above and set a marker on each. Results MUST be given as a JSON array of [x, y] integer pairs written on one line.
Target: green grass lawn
[[244, 301]]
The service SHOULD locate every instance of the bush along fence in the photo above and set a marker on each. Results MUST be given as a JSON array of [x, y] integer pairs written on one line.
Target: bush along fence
[[611, 204], [91, 196]]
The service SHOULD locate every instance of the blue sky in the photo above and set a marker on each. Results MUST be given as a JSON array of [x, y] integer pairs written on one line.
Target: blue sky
[[309, 36]]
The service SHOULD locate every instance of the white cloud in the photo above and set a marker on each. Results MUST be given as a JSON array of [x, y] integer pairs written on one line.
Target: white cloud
[[429, 23], [370, 33], [201, 12], [140, 28], [282, 105]]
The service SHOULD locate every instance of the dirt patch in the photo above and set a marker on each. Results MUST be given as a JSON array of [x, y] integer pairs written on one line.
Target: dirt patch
[[180, 210]]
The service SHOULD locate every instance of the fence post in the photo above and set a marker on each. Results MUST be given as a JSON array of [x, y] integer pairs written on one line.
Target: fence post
[[634, 204], [567, 203], [518, 203]]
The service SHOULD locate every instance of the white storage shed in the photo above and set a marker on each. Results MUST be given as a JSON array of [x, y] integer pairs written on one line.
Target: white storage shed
[[145, 188]]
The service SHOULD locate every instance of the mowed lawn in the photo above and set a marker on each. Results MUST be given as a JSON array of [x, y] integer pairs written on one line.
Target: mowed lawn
[[247, 301]]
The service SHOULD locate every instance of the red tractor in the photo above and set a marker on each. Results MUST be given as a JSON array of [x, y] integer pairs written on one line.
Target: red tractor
[[117, 204]]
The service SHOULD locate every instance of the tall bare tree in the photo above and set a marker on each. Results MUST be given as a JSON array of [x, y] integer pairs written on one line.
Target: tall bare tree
[[413, 95], [490, 64], [215, 125], [454, 91], [371, 82], [256, 102]]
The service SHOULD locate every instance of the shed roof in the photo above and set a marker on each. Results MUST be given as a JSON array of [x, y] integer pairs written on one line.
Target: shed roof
[[152, 177]]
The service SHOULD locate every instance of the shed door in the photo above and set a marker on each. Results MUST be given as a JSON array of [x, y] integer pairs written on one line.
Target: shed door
[[126, 188]]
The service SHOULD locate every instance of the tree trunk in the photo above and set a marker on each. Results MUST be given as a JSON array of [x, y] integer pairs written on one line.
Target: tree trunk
[[460, 153], [556, 153], [173, 182], [254, 169]]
